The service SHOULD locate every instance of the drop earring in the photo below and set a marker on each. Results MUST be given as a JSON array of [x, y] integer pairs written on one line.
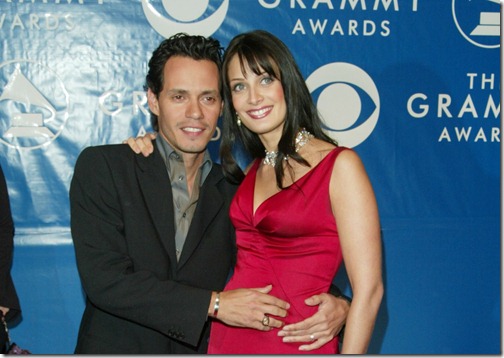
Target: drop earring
[[238, 120]]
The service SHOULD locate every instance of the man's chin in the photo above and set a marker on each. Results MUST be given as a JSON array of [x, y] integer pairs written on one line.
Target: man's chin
[[194, 149]]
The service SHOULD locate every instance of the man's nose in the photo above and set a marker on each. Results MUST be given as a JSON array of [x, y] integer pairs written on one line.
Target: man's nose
[[194, 110]]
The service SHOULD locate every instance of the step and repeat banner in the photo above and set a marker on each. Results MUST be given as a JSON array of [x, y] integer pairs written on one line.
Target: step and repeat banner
[[414, 86]]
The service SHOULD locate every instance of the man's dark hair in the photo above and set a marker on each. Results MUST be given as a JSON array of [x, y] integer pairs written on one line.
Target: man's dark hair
[[184, 45]]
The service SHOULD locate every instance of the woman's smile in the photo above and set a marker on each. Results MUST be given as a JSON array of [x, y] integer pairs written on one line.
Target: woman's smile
[[260, 112]]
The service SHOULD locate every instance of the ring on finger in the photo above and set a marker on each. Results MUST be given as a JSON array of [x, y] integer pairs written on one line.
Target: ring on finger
[[265, 321], [312, 337]]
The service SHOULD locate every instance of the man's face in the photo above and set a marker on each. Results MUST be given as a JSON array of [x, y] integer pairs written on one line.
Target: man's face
[[189, 104]]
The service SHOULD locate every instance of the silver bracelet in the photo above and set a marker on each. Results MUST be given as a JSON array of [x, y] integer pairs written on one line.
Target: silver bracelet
[[216, 305]]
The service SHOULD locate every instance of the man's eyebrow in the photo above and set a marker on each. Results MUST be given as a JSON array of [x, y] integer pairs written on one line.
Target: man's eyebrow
[[177, 91], [210, 91], [183, 91]]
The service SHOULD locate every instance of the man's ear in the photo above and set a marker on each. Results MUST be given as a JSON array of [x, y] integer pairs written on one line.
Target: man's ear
[[153, 102]]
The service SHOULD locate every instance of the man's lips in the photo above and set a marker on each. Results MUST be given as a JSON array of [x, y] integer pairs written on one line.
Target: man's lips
[[192, 130]]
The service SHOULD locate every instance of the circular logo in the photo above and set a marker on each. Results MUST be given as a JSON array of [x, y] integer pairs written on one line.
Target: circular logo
[[478, 21], [33, 104], [348, 101], [185, 16]]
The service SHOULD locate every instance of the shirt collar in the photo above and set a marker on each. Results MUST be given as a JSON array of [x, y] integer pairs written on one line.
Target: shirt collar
[[168, 153]]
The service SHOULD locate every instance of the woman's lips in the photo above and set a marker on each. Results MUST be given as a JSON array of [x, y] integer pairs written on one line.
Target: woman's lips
[[260, 112]]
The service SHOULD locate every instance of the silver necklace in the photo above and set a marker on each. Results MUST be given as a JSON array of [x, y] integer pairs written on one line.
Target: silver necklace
[[302, 138]]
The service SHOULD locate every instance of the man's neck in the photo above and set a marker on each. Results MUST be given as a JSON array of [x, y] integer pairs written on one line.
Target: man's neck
[[192, 163]]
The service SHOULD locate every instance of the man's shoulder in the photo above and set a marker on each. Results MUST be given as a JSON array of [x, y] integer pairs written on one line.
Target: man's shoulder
[[117, 157], [114, 153], [105, 149]]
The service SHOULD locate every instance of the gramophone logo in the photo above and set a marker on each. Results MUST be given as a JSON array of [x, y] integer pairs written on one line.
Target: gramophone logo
[[478, 21], [193, 17], [33, 104]]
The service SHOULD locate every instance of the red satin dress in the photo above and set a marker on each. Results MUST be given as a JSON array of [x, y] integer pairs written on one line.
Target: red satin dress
[[290, 242]]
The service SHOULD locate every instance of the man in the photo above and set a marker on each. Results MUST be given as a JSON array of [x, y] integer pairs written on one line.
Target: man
[[153, 240]]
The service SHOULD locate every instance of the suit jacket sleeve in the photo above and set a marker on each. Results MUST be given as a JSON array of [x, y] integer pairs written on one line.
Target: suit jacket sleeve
[[127, 278], [8, 295]]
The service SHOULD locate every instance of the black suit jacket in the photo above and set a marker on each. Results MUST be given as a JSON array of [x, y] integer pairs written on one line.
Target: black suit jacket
[[8, 295], [140, 300]]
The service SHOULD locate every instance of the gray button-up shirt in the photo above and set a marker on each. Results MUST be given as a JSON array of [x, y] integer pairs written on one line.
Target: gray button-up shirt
[[183, 205]]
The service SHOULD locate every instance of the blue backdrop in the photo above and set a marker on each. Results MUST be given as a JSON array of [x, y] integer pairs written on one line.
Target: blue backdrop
[[413, 85]]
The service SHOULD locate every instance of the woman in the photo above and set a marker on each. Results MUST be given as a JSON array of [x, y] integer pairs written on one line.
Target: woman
[[301, 208]]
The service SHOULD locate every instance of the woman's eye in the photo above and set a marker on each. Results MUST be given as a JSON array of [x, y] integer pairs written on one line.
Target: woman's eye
[[267, 80], [238, 87]]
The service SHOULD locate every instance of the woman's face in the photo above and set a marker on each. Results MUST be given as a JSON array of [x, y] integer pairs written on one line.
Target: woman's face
[[258, 99]]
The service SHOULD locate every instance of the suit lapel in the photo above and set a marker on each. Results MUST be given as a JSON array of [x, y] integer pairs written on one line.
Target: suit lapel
[[210, 202], [155, 186]]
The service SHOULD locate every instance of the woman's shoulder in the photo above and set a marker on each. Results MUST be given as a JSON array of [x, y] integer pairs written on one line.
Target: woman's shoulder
[[347, 165], [318, 150]]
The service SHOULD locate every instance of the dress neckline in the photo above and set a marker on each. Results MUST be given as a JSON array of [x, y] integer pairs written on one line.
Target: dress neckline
[[303, 177]]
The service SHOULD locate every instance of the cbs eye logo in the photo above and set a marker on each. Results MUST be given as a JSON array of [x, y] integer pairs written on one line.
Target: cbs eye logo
[[348, 101], [191, 17]]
